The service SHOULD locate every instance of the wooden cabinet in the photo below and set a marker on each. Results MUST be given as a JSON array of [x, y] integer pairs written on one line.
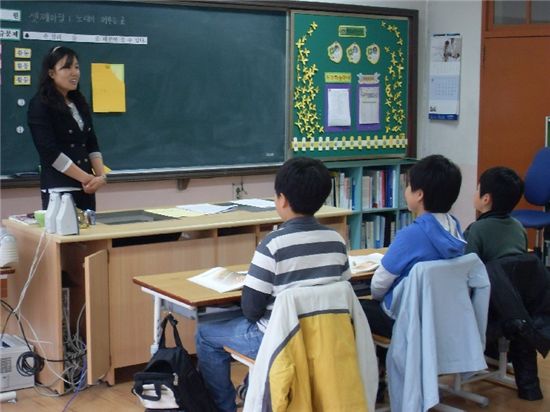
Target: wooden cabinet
[[98, 265]]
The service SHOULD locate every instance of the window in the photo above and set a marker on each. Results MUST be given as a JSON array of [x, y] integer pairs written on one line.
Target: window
[[510, 12], [517, 17], [540, 12]]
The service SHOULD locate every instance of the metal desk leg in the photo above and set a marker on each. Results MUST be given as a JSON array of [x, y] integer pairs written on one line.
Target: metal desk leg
[[156, 323]]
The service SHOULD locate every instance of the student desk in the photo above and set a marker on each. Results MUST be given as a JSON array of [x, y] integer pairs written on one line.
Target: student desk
[[174, 292], [97, 267]]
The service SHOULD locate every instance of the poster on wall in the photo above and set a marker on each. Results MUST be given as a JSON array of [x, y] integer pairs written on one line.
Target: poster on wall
[[444, 93]]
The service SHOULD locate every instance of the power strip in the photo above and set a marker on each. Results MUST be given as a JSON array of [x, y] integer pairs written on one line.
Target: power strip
[[66, 301], [66, 312]]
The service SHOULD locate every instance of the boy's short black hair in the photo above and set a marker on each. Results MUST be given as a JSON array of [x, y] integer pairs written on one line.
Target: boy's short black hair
[[440, 181], [505, 187], [305, 182]]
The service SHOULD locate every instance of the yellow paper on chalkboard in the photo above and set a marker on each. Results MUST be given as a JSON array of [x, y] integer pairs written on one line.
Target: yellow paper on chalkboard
[[108, 88]]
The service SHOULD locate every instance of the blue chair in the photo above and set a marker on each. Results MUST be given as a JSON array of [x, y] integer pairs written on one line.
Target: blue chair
[[537, 192]]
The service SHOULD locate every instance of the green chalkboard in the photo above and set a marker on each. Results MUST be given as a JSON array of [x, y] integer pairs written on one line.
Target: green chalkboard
[[206, 87], [350, 85]]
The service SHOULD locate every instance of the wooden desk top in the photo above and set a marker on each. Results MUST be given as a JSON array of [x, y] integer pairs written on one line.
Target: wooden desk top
[[176, 285], [236, 218]]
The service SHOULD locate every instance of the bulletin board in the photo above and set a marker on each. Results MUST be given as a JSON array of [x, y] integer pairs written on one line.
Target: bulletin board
[[350, 85]]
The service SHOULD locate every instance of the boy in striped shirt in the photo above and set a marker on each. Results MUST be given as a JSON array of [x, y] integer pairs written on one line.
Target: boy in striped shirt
[[301, 252]]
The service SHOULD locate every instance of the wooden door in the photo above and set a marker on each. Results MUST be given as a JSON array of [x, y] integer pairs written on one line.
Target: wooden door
[[515, 99], [96, 277], [515, 88]]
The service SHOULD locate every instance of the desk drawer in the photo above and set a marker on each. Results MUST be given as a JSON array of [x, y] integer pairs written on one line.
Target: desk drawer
[[235, 248], [131, 310]]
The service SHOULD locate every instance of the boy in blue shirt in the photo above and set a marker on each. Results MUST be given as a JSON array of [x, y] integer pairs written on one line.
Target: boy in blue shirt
[[432, 188], [301, 252]]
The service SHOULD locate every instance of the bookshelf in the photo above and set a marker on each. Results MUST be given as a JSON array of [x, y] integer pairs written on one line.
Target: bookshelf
[[374, 191]]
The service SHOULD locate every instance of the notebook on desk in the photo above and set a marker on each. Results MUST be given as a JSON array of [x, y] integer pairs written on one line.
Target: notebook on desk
[[220, 279], [364, 263]]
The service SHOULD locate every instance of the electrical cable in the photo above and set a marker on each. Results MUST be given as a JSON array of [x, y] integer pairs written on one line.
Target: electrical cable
[[30, 362], [78, 389], [29, 369], [32, 271], [75, 353], [36, 260], [22, 330]]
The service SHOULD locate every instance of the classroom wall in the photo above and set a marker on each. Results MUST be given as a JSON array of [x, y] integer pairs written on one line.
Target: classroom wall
[[458, 140], [148, 194], [455, 139]]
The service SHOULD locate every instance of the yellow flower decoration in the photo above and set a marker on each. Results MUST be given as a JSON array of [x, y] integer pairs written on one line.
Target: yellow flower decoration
[[305, 90], [394, 90]]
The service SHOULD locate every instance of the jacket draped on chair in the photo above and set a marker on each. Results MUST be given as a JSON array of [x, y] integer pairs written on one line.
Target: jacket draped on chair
[[520, 299], [317, 354], [441, 318]]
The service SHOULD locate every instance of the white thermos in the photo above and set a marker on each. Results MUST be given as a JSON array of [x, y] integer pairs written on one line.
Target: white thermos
[[66, 221], [51, 212]]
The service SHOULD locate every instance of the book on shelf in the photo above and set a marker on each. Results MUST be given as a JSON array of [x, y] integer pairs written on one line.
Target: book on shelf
[[367, 192], [402, 187], [378, 230], [342, 191], [390, 188], [365, 263], [220, 279], [374, 185], [369, 233]]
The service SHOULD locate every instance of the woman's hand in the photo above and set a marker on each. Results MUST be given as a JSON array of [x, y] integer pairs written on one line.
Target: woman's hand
[[93, 185]]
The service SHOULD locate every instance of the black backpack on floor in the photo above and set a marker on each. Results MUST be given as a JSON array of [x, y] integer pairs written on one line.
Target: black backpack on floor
[[170, 380]]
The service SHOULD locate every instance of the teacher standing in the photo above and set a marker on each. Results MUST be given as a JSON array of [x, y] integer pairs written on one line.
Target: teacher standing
[[61, 126]]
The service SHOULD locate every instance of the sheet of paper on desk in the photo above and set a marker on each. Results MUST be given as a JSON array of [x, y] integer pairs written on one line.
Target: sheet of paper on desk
[[261, 203], [206, 208], [173, 212], [365, 263], [220, 279]]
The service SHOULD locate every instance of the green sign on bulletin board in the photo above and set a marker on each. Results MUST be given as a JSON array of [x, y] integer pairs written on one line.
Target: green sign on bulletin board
[[350, 86]]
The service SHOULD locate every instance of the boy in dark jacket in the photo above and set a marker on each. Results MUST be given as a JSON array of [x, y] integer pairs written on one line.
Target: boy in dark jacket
[[495, 233], [493, 236]]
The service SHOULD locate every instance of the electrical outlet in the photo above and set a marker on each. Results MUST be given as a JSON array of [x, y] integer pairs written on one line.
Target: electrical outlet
[[238, 190]]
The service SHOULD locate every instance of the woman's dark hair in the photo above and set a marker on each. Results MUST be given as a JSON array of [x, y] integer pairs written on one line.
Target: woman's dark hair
[[47, 90]]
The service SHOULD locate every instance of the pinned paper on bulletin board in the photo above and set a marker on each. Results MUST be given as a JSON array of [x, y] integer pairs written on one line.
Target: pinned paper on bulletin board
[[108, 88]]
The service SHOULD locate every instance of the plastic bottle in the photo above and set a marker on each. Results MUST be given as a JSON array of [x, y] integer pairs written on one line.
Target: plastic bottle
[[51, 212], [66, 221]]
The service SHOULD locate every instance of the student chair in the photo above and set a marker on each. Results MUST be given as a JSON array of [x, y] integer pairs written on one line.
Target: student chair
[[537, 192], [440, 314], [519, 312], [317, 354]]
